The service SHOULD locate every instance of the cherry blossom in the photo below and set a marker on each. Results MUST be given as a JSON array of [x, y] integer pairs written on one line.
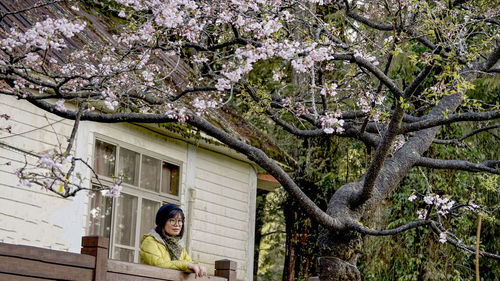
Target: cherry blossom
[[113, 191], [443, 237], [332, 123], [43, 35], [412, 197], [60, 105], [422, 214]]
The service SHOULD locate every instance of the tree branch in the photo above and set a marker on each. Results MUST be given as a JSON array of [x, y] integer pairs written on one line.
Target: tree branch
[[492, 59], [429, 122], [361, 229], [378, 158], [251, 152], [460, 245], [475, 132], [258, 156], [486, 166], [236, 41], [379, 74], [365, 21], [418, 80]]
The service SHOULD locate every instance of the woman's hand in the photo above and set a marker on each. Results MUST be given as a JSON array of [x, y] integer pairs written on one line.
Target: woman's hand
[[198, 270]]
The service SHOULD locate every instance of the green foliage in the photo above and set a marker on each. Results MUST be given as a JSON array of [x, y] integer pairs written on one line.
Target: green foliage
[[417, 254], [271, 248]]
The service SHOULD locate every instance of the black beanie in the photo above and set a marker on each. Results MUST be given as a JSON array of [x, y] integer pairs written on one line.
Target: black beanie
[[162, 214]]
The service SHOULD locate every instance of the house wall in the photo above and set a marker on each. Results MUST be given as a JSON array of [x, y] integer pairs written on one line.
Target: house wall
[[34, 216], [222, 224], [217, 191]]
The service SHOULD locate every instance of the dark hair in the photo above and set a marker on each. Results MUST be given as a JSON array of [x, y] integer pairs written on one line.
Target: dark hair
[[165, 213]]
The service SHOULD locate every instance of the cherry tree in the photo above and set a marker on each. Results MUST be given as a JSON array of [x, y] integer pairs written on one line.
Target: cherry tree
[[328, 72]]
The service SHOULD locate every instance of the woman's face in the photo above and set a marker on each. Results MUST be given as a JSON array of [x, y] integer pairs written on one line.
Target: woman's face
[[173, 226]]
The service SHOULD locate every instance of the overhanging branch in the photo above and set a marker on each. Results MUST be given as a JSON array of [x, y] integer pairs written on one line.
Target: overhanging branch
[[433, 121], [475, 132], [486, 166]]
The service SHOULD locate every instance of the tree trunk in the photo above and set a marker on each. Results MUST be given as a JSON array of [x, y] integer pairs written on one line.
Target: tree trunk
[[261, 202], [290, 254], [340, 254]]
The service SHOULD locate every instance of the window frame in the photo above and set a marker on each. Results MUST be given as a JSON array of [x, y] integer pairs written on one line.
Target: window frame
[[131, 190]]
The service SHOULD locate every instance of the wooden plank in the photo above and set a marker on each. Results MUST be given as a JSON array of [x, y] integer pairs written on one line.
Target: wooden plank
[[31, 268], [111, 276], [143, 270], [46, 255], [11, 277]]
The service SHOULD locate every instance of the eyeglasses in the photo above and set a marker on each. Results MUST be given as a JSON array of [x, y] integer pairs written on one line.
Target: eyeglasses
[[173, 222]]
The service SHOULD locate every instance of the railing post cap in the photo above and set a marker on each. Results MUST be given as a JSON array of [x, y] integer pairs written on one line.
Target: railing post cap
[[95, 241], [225, 264]]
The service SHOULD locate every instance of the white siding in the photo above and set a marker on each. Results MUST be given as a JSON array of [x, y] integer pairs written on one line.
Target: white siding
[[221, 211], [33, 216]]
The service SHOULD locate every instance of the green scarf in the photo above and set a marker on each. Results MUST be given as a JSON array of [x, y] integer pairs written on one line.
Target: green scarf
[[173, 247]]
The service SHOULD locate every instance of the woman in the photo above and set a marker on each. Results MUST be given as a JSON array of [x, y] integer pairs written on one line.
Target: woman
[[160, 247]]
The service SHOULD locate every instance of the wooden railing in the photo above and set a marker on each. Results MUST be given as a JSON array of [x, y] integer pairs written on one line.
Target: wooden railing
[[26, 263]]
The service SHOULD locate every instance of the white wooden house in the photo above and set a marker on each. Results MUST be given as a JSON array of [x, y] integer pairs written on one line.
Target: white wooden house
[[215, 186]]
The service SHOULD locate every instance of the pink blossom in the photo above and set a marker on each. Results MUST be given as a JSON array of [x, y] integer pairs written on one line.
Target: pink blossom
[[443, 237], [95, 212], [110, 104], [223, 84], [47, 161], [42, 35], [329, 90], [331, 123], [60, 106], [32, 58], [113, 191], [422, 214], [429, 200], [148, 76]]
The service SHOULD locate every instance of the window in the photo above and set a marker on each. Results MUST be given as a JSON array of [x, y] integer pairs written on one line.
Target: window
[[148, 182]]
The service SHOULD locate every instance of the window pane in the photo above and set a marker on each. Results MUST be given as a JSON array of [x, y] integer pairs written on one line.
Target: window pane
[[129, 166], [150, 173], [126, 219], [123, 254], [170, 178], [104, 158], [149, 209], [100, 215]]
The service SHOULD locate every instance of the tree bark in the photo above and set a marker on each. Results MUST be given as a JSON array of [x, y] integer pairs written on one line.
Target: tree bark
[[340, 254], [290, 254], [258, 230]]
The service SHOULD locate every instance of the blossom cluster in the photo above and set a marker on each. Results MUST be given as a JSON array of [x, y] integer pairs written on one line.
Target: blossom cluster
[[48, 172], [442, 205], [365, 100], [42, 35], [332, 123], [137, 71], [113, 190], [52, 172]]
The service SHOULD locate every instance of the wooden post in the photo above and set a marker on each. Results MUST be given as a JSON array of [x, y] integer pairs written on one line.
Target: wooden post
[[226, 269], [98, 247]]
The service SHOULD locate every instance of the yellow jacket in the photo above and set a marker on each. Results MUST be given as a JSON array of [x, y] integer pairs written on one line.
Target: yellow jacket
[[154, 252]]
